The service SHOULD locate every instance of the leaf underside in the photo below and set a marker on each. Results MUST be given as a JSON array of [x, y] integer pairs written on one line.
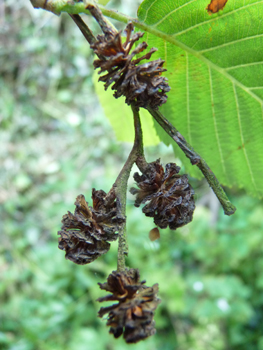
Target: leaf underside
[[215, 70]]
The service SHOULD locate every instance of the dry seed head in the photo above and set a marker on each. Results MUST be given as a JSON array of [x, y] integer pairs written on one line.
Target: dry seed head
[[85, 235], [141, 84], [133, 315], [169, 195]]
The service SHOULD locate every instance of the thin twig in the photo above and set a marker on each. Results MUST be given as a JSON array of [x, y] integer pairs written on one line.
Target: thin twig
[[138, 142], [195, 159], [91, 39], [120, 186], [103, 23], [176, 136], [84, 29]]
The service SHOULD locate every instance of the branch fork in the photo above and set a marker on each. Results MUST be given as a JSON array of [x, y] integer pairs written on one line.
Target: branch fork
[[119, 189]]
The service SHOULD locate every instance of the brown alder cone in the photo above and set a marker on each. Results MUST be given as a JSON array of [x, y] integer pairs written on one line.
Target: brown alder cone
[[170, 196], [85, 234], [133, 315], [141, 84]]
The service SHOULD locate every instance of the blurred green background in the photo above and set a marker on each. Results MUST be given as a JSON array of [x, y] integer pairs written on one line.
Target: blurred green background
[[55, 143]]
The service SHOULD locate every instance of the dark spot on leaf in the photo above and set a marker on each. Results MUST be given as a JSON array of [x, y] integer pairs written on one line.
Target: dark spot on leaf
[[240, 147], [215, 6]]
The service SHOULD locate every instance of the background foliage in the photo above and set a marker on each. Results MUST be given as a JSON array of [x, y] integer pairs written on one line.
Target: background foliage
[[55, 144]]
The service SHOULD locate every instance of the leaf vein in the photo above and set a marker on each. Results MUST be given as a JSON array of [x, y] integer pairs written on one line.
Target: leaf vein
[[244, 65], [172, 12], [215, 123], [187, 98], [146, 13], [165, 53], [230, 43], [242, 139]]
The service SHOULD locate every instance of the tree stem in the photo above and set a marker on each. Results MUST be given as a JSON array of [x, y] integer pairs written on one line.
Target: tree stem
[[120, 186], [195, 159], [84, 29]]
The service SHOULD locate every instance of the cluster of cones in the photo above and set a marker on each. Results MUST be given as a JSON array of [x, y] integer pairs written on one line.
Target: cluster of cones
[[85, 235]]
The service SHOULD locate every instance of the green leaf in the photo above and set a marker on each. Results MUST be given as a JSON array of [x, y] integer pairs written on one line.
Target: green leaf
[[121, 117], [215, 70]]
